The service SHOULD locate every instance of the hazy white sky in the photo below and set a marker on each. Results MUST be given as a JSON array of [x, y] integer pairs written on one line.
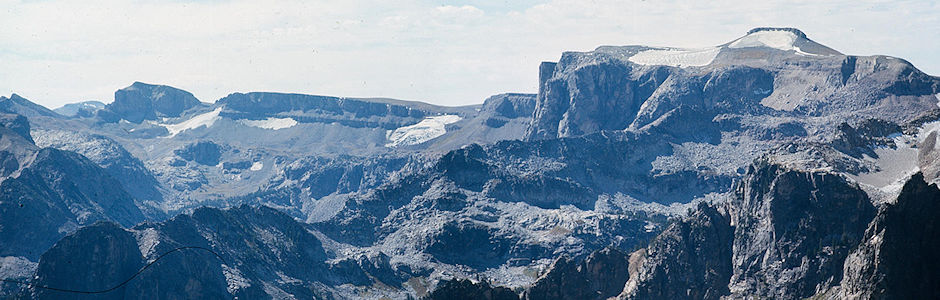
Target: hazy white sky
[[444, 52]]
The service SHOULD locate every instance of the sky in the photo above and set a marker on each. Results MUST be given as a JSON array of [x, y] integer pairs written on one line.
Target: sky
[[55, 52]]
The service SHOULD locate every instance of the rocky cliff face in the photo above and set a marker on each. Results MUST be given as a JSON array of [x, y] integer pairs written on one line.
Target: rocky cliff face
[[599, 276], [899, 254], [465, 289], [508, 106], [388, 114], [785, 234], [691, 259], [614, 88], [203, 152], [48, 193], [16, 123], [142, 101], [108, 256], [262, 254], [107, 153], [55, 194], [793, 231]]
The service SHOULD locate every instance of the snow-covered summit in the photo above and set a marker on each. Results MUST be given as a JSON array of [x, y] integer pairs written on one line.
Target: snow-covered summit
[[790, 41], [784, 39]]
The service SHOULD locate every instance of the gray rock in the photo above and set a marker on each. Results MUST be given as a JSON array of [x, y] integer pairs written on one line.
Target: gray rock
[[899, 256], [17, 124], [599, 276], [691, 259], [142, 101], [204, 152]]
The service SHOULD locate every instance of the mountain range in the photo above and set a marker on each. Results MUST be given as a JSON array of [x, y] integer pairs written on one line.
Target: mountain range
[[770, 166]]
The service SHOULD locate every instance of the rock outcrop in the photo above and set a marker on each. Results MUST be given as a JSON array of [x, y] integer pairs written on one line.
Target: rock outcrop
[[202, 152], [793, 231], [458, 289], [785, 234], [611, 89], [691, 259], [599, 276], [899, 256], [243, 252], [47, 193], [16, 123], [142, 101]]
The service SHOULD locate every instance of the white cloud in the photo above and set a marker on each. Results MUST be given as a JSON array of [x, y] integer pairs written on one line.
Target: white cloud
[[465, 10], [58, 51]]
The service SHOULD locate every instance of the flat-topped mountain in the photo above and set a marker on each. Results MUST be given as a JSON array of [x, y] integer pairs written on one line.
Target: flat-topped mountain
[[142, 101], [770, 71]]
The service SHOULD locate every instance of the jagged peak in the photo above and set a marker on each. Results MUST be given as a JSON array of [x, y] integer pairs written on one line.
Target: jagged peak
[[16, 98]]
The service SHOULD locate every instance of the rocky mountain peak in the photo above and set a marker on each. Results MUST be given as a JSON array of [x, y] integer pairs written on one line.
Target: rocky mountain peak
[[795, 31], [780, 38], [16, 104], [768, 72], [142, 101]]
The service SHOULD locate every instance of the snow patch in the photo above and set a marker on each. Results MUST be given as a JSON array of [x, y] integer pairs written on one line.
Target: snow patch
[[782, 40], [896, 164], [275, 292], [938, 99], [206, 119], [284, 279], [271, 123], [426, 130], [257, 166], [147, 240], [234, 279], [676, 57]]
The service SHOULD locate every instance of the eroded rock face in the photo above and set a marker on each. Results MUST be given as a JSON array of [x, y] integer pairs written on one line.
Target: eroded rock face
[[510, 105], [357, 113], [458, 289], [262, 253], [691, 259], [500, 109], [599, 276], [55, 194], [607, 89], [95, 258], [858, 140], [202, 152], [899, 257], [785, 234], [142, 101], [17, 124], [109, 155], [793, 231], [596, 97]]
